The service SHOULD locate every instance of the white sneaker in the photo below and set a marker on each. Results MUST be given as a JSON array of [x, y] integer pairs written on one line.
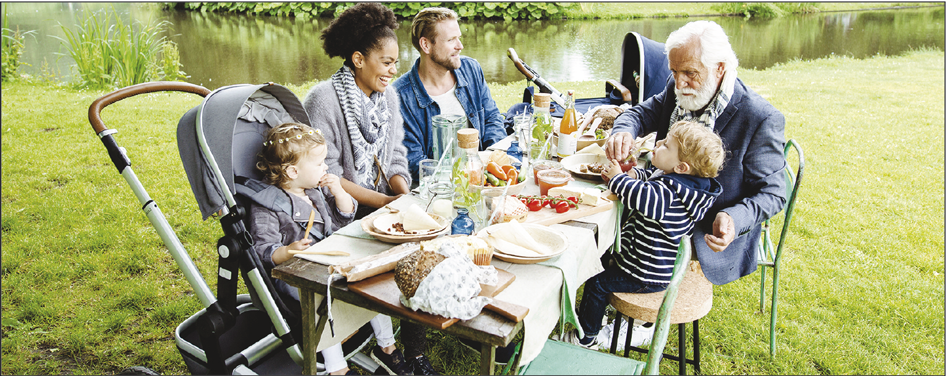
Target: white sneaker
[[572, 337], [641, 335]]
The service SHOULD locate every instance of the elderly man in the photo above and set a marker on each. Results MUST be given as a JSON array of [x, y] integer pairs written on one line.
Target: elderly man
[[704, 88], [443, 82]]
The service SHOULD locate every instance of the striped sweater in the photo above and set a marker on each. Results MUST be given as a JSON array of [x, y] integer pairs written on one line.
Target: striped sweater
[[665, 208]]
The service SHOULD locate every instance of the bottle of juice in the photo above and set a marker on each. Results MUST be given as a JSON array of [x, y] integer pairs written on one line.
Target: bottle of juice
[[567, 139]]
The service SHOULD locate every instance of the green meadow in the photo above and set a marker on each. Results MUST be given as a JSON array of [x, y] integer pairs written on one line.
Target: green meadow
[[89, 288]]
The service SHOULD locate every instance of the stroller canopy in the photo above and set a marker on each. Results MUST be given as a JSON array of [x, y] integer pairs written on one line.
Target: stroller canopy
[[220, 138]]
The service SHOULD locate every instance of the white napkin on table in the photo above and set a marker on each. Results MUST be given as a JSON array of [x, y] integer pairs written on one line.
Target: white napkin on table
[[416, 219], [514, 239], [592, 149]]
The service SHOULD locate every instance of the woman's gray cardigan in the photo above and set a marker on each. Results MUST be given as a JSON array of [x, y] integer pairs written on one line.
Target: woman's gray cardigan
[[325, 113]]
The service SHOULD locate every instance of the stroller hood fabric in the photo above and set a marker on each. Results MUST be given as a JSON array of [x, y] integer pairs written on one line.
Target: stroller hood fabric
[[234, 121]]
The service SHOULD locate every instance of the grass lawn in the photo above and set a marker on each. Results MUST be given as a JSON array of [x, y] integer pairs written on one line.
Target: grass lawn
[[88, 288]]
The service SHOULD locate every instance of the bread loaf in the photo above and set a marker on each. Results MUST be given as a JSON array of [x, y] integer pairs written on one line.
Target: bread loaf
[[413, 268]]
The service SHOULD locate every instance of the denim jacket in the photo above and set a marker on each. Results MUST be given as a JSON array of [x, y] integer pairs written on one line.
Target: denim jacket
[[418, 108]]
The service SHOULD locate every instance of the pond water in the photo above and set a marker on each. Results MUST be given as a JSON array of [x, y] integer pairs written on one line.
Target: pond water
[[223, 49]]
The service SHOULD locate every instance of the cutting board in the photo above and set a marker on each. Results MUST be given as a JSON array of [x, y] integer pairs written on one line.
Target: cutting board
[[547, 216], [382, 289]]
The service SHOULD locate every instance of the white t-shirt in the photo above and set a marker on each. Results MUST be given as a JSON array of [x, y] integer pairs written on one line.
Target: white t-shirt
[[449, 104]]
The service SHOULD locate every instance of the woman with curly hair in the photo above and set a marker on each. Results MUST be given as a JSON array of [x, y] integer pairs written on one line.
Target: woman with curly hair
[[362, 125], [360, 119]]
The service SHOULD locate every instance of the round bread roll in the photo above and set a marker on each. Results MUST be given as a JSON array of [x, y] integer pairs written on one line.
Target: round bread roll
[[413, 268]]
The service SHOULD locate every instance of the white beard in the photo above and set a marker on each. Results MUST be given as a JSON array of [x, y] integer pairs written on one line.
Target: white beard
[[697, 101]]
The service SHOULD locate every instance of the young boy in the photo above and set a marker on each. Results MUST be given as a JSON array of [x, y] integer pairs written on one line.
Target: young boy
[[664, 202]]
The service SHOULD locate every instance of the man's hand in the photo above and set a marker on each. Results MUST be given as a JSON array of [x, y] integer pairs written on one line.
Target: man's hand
[[723, 232], [619, 145]]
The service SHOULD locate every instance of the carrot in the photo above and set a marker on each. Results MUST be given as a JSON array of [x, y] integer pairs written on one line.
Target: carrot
[[493, 168], [512, 177]]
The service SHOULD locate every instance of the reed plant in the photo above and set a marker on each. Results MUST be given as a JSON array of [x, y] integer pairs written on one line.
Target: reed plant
[[12, 49], [110, 53]]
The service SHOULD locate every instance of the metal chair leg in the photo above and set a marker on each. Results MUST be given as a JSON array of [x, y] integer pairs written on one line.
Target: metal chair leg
[[762, 291], [627, 339], [614, 334], [774, 312], [696, 345], [682, 344]]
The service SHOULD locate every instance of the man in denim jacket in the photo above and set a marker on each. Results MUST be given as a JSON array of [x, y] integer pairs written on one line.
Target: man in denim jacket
[[443, 82]]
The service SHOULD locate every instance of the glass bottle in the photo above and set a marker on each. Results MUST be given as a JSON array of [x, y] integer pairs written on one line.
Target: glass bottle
[[462, 224], [567, 139], [541, 127], [469, 175]]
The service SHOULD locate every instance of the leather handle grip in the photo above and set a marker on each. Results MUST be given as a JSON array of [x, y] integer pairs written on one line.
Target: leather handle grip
[[95, 110], [518, 62]]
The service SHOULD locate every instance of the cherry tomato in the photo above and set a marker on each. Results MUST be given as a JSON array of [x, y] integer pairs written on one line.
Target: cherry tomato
[[535, 205], [561, 207], [547, 202], [573, 199]]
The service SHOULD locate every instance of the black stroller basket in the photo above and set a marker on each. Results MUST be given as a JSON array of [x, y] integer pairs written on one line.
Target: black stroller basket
[[255, 333], [644, 73]]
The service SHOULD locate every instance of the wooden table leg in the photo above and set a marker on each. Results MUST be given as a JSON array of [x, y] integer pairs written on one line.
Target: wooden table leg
[[311, 329], [487, 359]]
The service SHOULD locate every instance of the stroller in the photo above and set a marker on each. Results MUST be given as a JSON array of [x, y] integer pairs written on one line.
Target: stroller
[[644, 73], [255, 333]]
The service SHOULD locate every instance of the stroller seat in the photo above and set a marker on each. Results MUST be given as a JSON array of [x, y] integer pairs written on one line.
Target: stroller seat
[[254, 333]]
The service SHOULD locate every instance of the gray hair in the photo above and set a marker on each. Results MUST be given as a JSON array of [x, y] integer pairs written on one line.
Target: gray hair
[[714, 43]]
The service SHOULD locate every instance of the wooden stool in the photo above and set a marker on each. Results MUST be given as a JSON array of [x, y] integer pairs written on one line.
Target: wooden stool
[[694, 301]]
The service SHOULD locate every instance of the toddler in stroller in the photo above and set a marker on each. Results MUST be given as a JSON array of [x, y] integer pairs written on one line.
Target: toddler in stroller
[[294, 171], [254, 333]]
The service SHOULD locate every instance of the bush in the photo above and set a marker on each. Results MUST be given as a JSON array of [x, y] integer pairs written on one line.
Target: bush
[[468, 10], [765, 10], [110, 53]]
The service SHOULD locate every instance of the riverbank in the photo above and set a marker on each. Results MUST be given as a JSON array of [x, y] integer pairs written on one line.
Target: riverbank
[[88, 287]]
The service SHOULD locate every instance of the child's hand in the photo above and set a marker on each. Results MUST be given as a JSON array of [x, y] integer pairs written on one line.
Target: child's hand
[[611, 170], [299, 245], [333, 183], [281, 254]]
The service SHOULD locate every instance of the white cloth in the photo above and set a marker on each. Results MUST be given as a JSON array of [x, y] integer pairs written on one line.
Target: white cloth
[[451, 287]]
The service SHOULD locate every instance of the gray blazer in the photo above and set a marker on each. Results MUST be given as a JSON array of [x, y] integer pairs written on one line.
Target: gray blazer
[[325, 113], [753, 132]]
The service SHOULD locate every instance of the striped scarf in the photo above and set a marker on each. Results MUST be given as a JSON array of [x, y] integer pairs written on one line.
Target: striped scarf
[[715, 107], [367, 119]]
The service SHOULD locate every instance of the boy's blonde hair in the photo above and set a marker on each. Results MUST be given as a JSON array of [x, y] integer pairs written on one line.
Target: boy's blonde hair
[[425, 22], [284, 146], [700, 147]]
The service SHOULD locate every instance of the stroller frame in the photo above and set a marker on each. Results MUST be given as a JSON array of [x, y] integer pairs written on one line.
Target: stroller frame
[[210, 340]]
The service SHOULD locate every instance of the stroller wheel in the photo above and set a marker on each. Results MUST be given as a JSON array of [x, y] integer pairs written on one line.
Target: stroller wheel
[[138, 370]]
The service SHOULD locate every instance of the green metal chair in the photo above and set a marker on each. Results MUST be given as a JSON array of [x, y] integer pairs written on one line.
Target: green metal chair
[[769, 253], [559, 358]]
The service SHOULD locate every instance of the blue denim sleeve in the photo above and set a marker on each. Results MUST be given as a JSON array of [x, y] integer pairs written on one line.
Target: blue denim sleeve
[[415, 137]]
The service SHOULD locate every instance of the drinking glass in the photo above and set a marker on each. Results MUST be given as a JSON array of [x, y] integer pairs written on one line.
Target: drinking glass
[[427, 170], [441, 199], [523, 128]]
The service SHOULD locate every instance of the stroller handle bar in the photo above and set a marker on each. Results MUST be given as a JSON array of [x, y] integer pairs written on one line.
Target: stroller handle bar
[[533, 76], [95, 110]]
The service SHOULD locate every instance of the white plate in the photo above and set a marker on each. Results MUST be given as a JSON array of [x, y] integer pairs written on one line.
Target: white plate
[[553, 239], [573, 165], [384, 223]]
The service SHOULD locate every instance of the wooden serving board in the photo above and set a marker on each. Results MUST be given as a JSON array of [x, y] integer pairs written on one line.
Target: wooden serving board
[[382, 289], [547, 216]]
